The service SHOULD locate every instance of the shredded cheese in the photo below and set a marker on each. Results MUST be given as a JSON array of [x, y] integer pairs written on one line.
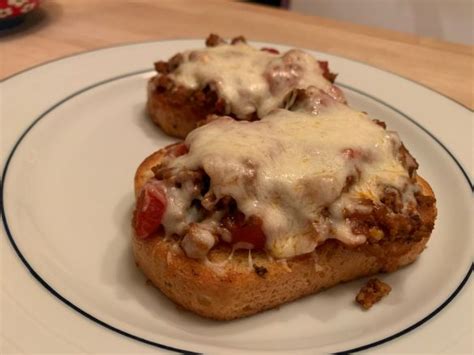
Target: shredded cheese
[[251, 80], [289, 166]]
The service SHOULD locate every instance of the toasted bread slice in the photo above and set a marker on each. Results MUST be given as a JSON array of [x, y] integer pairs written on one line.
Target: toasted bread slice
[[229, 286]]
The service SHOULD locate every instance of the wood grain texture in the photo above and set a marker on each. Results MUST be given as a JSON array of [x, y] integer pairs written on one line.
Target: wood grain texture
[[63, 27]]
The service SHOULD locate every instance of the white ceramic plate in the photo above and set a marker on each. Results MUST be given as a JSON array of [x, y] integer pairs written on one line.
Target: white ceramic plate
[[73, 133]]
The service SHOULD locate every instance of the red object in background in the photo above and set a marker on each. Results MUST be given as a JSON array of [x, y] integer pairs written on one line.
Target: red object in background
[[14, 8]]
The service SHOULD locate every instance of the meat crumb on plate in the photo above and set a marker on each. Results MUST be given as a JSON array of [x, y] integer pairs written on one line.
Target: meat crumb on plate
[[372, 292]]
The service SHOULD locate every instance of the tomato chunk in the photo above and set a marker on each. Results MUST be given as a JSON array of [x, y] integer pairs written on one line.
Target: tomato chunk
[[246, 231], [270, 50], [149, 210]]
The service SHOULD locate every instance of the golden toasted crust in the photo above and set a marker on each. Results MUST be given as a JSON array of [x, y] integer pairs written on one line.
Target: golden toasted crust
[[175, 115], [225, 290]]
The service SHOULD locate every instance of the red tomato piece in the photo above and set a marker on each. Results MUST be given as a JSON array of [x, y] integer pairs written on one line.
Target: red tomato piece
[[249, 232], [149, 210]]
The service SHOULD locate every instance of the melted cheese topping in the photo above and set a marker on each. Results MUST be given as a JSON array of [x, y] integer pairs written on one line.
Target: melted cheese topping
[[251, 80], [289, 166]]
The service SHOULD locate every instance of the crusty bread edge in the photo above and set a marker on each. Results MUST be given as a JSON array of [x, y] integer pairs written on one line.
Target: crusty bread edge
[[175, 120], [225, 290]]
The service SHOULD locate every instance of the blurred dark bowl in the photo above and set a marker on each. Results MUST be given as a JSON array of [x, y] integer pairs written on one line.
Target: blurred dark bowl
[[12, 11]]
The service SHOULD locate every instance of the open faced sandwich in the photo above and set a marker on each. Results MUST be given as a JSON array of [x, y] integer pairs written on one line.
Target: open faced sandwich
[[246, 215], [233, 79]]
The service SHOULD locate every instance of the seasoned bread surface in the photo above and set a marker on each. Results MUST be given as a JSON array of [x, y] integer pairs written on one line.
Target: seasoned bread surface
[[175, 113]]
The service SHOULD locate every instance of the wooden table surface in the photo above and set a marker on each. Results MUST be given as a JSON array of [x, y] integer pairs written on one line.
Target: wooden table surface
[[63, 27]]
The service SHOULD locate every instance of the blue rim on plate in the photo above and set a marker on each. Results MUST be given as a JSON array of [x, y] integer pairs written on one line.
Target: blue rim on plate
[[167, 347]]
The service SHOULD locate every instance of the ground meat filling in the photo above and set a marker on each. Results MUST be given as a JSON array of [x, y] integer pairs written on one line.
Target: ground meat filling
[[326, 72], [408, 162], [219, 220], [387, 221], [163, 67], [390, 219], [214, 40], [372, 292], [206, 101]]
